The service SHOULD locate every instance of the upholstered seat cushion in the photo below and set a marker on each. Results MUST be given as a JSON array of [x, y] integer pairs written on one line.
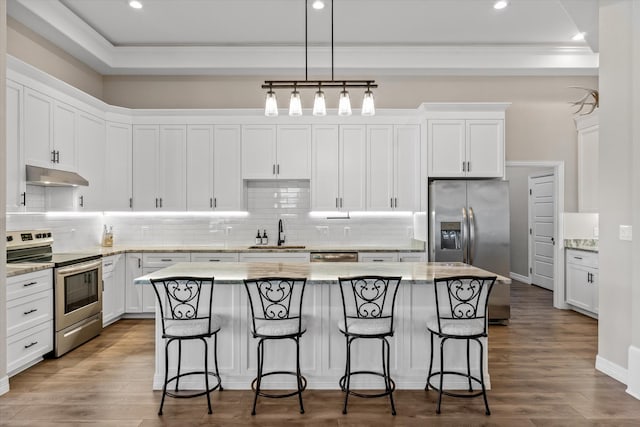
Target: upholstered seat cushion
[[279, 328], [191, 327], [372, 326], [457, 327]]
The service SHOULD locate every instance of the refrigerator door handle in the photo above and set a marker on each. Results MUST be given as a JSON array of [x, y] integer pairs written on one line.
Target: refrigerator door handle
[[472, 234], [465, 235]]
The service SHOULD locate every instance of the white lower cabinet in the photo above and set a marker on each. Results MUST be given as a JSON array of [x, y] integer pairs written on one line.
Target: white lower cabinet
[[582, 281], [113, 289], [377, 256], [134, 294], [214, 257], [412, 256], [275, 257], [29, 319]]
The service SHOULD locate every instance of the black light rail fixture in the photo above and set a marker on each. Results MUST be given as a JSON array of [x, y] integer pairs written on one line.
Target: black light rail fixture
[[319, 105]]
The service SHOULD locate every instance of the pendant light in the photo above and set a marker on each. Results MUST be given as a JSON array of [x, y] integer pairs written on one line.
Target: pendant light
[[271, 104], [295, 104], [319, 105], [344, 104], [368, 106]]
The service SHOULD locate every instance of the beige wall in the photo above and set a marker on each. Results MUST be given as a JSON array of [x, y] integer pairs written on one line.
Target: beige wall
[[35, 50], [3, 199]]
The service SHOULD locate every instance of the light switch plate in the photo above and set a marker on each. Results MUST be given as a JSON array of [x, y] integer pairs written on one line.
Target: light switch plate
[[625, 232]]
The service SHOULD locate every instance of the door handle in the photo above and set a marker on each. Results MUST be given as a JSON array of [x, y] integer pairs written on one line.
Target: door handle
[[465, 235], [82, 201], [553, 241], [472, 234], [24, 198]]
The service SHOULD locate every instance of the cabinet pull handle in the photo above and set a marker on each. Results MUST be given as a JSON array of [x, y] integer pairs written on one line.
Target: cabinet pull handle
[[108, 264], [24, 198], [139, 263], [166, 259], [215, 202], [391, 202], [278, 169], [273, 169], [156, 203], [33, 310], [53, 156], [130, 202], [377, 260], [31, 345], [340, 201], [29, 284], [395, 202], [577, 257], [214, 260], [58, 156], [210, 202], [464, 166], [82, 201], [469, 166], [337, 202], [160, 201]]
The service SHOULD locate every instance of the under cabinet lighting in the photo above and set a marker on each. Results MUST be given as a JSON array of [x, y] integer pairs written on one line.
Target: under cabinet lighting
[[135, 4], [318, 4]]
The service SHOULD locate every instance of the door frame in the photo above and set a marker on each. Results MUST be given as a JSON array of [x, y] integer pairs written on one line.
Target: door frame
[[530, 219], [558, 249]]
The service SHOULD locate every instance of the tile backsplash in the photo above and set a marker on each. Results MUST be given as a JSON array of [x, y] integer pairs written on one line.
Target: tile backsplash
[[267, 202]]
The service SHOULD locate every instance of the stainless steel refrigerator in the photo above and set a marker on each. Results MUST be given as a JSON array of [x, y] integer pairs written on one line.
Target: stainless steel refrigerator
[[469, 222]]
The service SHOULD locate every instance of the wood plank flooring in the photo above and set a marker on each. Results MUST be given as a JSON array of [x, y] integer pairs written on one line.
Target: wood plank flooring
[[542, 373]]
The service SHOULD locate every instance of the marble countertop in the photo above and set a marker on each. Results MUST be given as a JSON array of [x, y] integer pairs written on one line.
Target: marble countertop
[[18, 269], [590, 245], [317, 273]]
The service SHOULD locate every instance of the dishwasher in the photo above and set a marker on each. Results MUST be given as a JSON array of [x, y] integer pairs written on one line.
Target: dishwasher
[[334, 256]]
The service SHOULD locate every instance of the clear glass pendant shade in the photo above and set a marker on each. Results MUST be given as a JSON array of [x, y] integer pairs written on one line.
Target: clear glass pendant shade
[[368, 105], [319, 105], [295, 105], [344, 105], [271, 105]]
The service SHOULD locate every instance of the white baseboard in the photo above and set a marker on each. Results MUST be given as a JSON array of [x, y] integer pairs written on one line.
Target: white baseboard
[[4, 385], [611, 369], [633, 378], [520, 278]]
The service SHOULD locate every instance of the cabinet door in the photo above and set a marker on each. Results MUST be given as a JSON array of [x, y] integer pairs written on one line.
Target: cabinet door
[[64, 136], [38, 129], [259, 152], [579, 289], [148, 294], [485, 148], [352, 167], [145, 167], [407, 168], [16, 187], [133, 293], [227, 168], [293, 152], [199, 168], [91, 161], [324, 178], [108, 291], [588, 175], [380, 195], [595, 289], [446, 140], [172, 182], [118, 168], [377, 256]]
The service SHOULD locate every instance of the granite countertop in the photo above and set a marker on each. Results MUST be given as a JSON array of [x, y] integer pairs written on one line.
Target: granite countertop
[[17, 269], [590, 245], [317, 273]]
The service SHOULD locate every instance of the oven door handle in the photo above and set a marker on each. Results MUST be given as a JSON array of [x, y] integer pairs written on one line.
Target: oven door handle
[[79, 268]]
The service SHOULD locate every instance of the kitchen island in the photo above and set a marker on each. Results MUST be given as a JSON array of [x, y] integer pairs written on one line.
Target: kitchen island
[[322, 346]]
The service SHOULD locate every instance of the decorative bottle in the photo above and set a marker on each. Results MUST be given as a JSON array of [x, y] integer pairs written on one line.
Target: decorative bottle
[[265, 238], [258, 238]]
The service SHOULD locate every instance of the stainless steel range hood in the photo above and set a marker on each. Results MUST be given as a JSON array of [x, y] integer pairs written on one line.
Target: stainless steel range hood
[[37, 175]]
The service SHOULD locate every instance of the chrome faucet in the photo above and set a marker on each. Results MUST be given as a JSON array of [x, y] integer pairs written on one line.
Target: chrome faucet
[[280, 233]]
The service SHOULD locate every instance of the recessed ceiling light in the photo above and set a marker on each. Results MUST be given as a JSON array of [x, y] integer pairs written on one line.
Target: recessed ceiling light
[[318, 4], [500, 4], [135, 4], [578, 37]]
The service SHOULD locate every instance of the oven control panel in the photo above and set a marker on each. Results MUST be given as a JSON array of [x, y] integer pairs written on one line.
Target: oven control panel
[[28, 238]]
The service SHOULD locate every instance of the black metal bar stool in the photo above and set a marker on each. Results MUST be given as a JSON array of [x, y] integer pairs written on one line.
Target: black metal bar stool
[[461, 314], [276, 314], [186, 312], [368, 305]]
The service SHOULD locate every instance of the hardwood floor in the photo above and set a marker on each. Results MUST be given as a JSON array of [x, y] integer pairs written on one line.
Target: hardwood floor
[[542, 374]]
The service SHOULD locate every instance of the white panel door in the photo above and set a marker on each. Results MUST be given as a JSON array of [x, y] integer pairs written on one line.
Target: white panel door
[[64, 136], [172, 168], [542, 230], [485, 148], [407, 168], [15, 170], [227, 168], [199, 167], [352, 167], [446, 139], [380, 161], [293, 159], [91, 161], [259, 152], [324, 178], [38, 129], [145, 167], [118, 168]]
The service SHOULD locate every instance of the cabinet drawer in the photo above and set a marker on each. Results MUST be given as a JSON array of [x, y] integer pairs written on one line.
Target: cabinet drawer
[[214, 257], [161, 260], [26, 312], [412, 257], [29, 345], [275, 257], [28, 284], [584, 258], [378, 256]]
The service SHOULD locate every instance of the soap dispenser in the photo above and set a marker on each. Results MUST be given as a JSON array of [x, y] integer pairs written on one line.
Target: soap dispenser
[[265, 238], [258, 238]]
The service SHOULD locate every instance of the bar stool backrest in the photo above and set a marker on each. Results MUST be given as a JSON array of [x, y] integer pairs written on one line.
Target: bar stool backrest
[[369, 297], [185, 299], [275, 298], [463, 298]]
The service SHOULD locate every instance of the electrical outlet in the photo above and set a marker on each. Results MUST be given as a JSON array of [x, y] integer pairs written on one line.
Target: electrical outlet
[[625, 232], [347, 231]]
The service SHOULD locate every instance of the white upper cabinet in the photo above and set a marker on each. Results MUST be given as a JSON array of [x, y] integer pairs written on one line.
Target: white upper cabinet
[[485, 148], [159, 167], [588, 158], [91, 161], [352, 167], [65, 119], [118, 168], [15, 170], [214, 180], [276, 152], [407, 157]]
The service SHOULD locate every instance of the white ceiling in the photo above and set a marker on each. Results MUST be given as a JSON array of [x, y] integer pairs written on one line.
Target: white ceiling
[[249, 37]]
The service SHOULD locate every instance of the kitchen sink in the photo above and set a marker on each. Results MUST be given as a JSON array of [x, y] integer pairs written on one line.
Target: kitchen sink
[[276, 247]]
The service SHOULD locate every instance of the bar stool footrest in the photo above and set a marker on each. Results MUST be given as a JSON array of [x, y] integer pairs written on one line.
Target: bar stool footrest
[[280, 395], [367, 395], [195, 394], [453, 394]]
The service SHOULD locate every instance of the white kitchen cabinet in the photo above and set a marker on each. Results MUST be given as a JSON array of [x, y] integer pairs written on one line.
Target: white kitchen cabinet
[[214, 178], [466, 148], [582, 281], [15, 170], [113, 290], [377, 256], [276, 152], [29, 319], [393, 167], [159, 167], [214, 257], [134, 294], [588, 159], [412, 256], [155, 261], [118, 167], [338, 167], [274, 257], [91, 133]]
